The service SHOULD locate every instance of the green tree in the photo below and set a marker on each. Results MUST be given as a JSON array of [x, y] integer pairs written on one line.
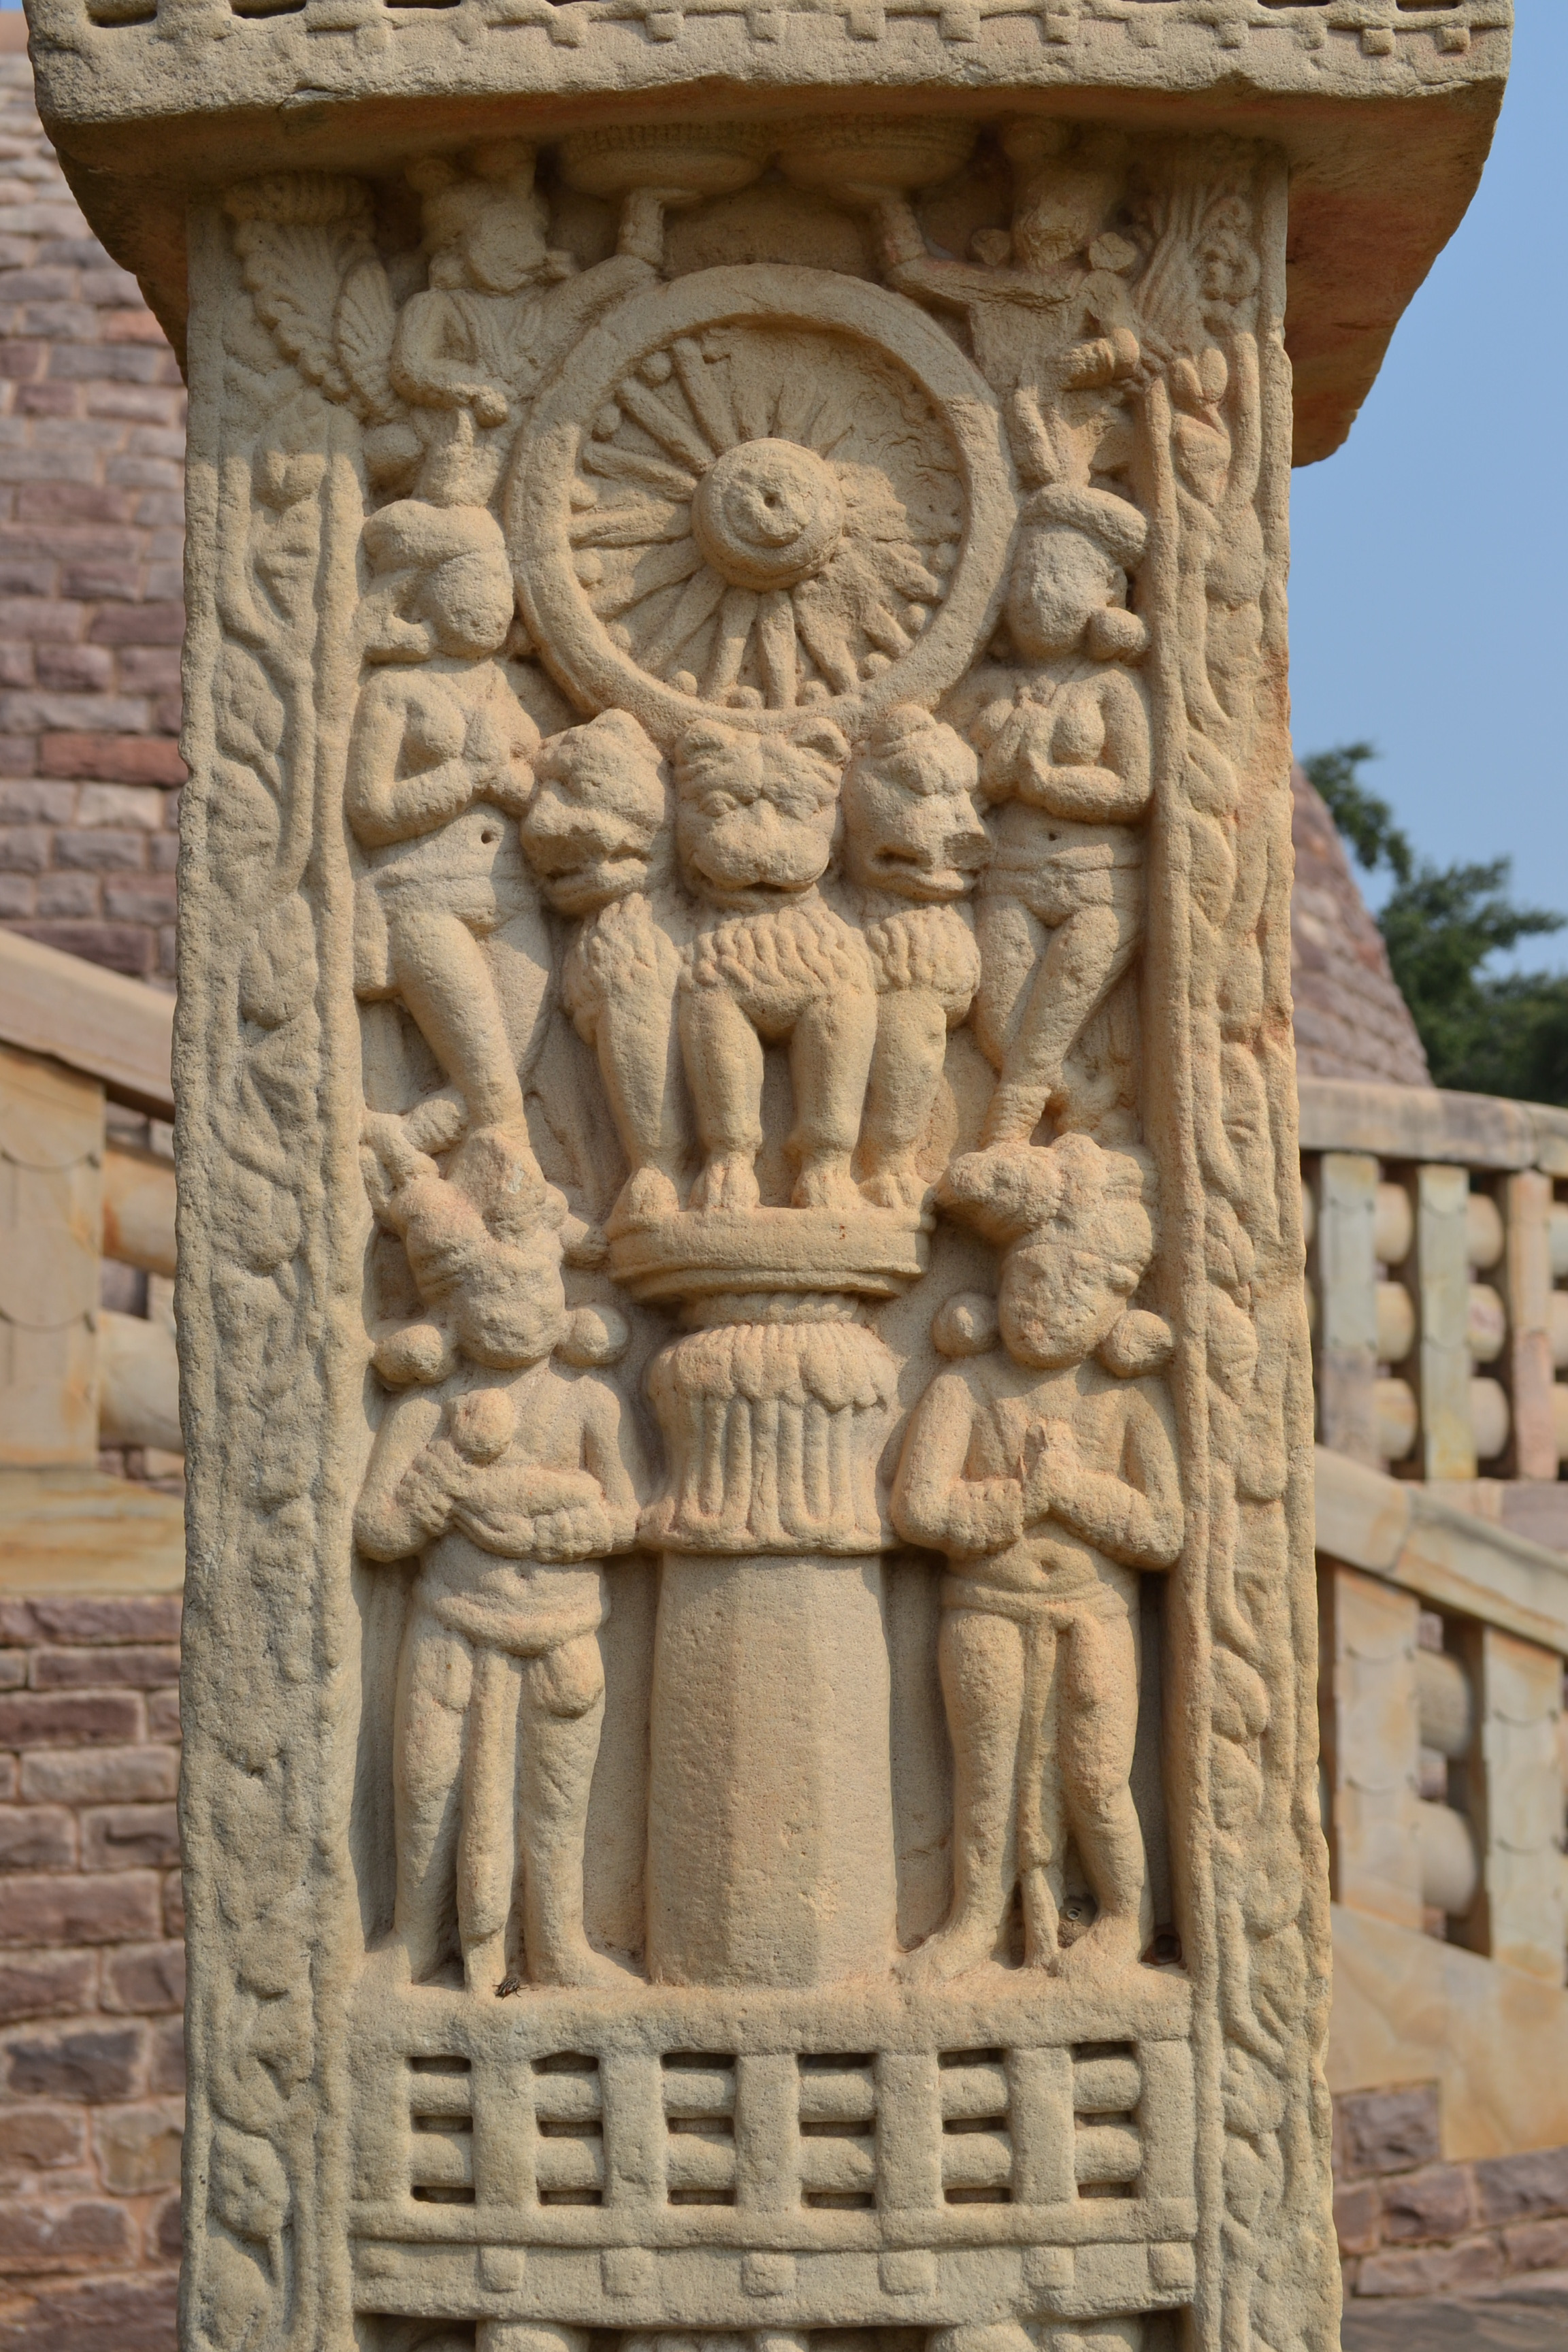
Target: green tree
[[1486, 1033]]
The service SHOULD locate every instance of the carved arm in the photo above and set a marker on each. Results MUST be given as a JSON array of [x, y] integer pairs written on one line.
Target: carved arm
[[609, 1436], [422, 370], [933, 1503], [1114, 789], [1133, 1513], [500, 743], [396, 715], [407, 1495], [532, 1510]]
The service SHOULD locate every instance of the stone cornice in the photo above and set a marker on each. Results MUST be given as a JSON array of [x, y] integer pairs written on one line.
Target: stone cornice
[[1385, 111]]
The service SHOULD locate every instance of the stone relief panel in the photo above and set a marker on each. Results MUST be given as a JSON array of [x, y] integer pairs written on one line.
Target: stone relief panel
[[761, 1784]]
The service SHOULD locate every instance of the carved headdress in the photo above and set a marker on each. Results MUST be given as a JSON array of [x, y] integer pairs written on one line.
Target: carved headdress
[[1073, 1189]]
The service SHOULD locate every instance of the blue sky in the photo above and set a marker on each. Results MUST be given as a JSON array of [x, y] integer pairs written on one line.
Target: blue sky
[[1427, 603], [1427, 594]]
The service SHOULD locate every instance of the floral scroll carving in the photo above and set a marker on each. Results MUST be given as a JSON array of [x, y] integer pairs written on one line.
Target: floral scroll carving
[[755, 1076]]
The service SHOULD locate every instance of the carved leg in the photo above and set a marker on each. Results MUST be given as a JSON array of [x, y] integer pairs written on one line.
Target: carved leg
[[981, 1658], [518, 955], [563, 1711], [638, 1043], [486, 1851], [1098, 1728], [1086, 956], [442, 976], [1042, 1822], [1011, 944], [433, 1682], [829, 1062], [724, 1056], [906, 1071]]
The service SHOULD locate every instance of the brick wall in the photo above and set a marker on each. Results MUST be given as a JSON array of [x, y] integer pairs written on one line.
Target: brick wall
[[91, 1975], [91, 506], [1410, 2225]]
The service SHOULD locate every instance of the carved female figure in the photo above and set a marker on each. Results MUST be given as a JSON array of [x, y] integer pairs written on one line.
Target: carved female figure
[[446, 917], [1067, 770], [1048, 1474], [512, 1491]]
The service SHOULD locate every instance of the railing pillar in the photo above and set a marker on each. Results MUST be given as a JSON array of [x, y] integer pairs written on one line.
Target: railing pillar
[[1527, 1280], [1372, 1738], [51, 1175], [1514, 1799], [1442, 1306], [1347, 1291]]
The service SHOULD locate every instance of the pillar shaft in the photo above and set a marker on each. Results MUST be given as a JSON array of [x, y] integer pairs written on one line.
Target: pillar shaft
[[734, 1047], [770, 1801]]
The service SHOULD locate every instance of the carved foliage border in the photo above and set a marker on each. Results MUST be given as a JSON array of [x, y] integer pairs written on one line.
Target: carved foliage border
[[1220, 1108], [272, 1242]]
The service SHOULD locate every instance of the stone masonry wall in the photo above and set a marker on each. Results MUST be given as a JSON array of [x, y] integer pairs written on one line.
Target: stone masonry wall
[[91, 1975], [1410, 2225], [91, 508], [1351, 1020]]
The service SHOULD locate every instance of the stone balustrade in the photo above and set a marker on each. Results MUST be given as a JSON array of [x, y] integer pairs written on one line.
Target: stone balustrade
[[1438, 1253], [1436, 1262], [87, 1347]]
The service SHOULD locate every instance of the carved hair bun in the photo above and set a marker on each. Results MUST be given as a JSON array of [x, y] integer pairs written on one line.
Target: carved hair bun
[[1139, 1343], [595, 1335], [420, 1353], [964, 1325]]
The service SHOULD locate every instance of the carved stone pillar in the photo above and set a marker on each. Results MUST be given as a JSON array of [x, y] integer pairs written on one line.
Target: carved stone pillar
[[750, 1648], [771, 1830]]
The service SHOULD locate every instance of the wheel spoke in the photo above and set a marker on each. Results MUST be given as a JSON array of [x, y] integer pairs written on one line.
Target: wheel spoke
[[776, 649], [627, 465], [827, 647], [736, 617], [703, 384], [670, 431], [640, 523], [698, 602], [657, 567]]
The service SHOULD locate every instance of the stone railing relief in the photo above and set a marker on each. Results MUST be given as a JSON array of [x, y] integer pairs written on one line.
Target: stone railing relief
[[745, 807]]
